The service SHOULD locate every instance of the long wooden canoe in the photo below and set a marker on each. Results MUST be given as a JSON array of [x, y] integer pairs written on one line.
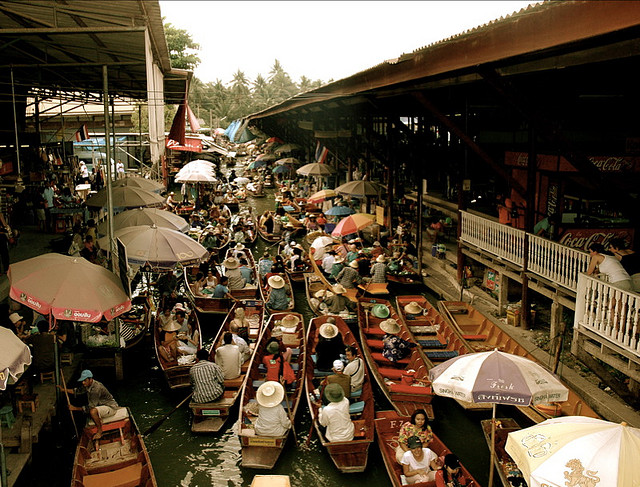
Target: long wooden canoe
[[504, 464], [405, 398], [266, 292], [210, 417], [348, 456], [135, 323], [482, 334], [388, 425], [120, 457], [275, 237], [177, 373], [205, 305], [250, 291], [314, 283], [262, 451], [297, 275]]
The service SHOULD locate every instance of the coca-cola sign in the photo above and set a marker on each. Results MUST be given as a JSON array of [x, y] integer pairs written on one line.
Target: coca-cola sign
[[546, 162], [582, 238]]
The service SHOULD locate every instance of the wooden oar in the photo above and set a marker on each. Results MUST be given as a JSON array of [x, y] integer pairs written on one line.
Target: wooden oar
[[293, 430], [73, 420], [157, 424]]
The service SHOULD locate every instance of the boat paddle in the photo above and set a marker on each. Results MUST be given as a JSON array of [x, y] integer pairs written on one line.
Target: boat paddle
[[157, 424], [293, 430], [73, 420]]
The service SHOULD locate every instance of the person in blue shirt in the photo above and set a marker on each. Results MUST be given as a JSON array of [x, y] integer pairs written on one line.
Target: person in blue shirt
[[221, 290], [278, 299], [265, 264], [246, 271]]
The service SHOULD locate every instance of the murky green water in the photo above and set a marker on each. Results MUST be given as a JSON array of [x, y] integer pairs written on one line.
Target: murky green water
[[181, 458]]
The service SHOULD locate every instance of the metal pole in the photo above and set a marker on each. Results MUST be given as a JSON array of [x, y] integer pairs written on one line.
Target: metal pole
[[105, 88], [140, 139], [113, 130], [64, 154], [15, 126]]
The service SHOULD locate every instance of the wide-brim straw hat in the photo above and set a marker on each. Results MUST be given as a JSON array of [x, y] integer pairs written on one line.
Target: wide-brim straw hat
[[231, 263], [319, 294], [171, 326], [339, 289], [328, 330], [413, 308], [380, 311], [270, 394], [276, 332], [290, 321], [339, 260], [333, 392], [239, 246], [353, 264], [390, 326], [381, 258], [276, 282]]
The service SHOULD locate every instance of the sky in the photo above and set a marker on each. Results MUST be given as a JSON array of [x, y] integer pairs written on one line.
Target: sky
[[320, 40]]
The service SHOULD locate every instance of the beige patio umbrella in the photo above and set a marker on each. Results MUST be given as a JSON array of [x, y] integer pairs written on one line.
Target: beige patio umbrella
[[145, 216], [359, 188], [15, 357], [138, 182], [316, 169], [287, 160], [126, 197], [160, 247], [287, 148], [195, 175]]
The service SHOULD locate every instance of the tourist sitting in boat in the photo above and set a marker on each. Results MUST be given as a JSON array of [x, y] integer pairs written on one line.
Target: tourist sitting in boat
[[211, 281], [355, 368], [278, 298], [238, 234], [349, 276], [327, 261], [221, 290], [198, 286], [330, 345], [338, 377], [450, 475], [229, 357], [188, 338], [335, 415], [207, 379], [419, 464], [241, 323], [297, 262], [232, 272], [168, 348], [336, 268], [265, 264], [418, 427], [379, 270], [337, 302], [278, 369], [272, 418], [278, 265], [394, 348], [100, 402], [240, 342]]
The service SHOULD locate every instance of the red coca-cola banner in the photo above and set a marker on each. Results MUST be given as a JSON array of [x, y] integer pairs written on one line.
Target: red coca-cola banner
[[582, 238], [556, 163], [190, 145]]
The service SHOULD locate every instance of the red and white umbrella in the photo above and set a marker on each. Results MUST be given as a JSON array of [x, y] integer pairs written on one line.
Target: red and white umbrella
[[69, 288], [15, 357], [353, 223]]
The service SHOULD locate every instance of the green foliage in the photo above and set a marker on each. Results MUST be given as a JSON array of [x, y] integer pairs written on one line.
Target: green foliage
[[182, 48]]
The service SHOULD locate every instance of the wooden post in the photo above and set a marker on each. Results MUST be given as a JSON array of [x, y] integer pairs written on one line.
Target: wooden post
[[460, 255], [525, 312], [503, 295], [117, 362], [555, 322]]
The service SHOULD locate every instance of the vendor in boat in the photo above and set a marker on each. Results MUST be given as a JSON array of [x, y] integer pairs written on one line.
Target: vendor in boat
[[100, 402], [450, 475], [171, 201], [297, 261], [278, 298], [335, 415], [278, 265], [394, 348], [239, 234], [338, 265], [354, 368], [278, 369], [232, 272], [418, 427], [288, 232], [221, 290], [338, 377], [376, 250], [419, 464], [207, 379], [349, 276], [337, 302], [327, 261], [246, 271], [272, 418], [229, 357], [238, 250], [330, 345], [379, 270]]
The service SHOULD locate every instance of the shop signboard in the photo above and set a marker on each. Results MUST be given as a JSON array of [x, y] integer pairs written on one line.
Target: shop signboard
[[546, 162], [582, 238], [191, 144]]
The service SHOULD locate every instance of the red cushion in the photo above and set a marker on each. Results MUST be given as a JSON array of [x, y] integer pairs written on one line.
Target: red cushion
[[404, 389], [393, 374], [378, 357], [375, 343], [374, 330]]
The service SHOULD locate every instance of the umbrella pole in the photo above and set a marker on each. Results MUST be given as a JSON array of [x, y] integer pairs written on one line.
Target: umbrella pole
[[493, 444], [3, 462]]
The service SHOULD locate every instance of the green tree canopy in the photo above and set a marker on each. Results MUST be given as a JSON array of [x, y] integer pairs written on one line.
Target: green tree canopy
[[182, 48]]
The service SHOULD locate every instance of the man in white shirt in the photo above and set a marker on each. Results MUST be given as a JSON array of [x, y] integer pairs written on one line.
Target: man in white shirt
[[327, 261], [228, 357], [240, 342], [354, 369], [335, 415]]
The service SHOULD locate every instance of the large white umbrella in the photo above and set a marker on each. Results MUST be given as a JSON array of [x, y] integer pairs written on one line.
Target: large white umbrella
[[195, 175], [126, 197], [322, 241], [200, 163], [579, 451], [160, 247], [497, 378], [315, 169], [359, 188], [145, 216], [15, 357]]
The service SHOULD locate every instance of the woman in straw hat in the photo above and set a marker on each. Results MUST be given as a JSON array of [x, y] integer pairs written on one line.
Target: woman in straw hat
[[335, 415], [394, 347], [413, 309], [379, 270], [168, 348], [232, 271], [272, 418], [337, 301], [329, 346], [278, 299], [349, 276]]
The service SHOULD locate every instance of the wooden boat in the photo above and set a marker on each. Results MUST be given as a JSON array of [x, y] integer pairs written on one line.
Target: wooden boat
[[297, 275], [119, 458], [177, 373], [256, 191], [352, 294], [313, 284], [251, 291], [404, 396], [508, 471], [271, 481], [275, 237], [388, 425], [203, 304], [135, 323], [261, 451], [348, 456], [210, 417], [266, 292], [208, 239], [247, 220], [483, 335]]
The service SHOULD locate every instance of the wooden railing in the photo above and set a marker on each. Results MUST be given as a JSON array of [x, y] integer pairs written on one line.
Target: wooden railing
[[608, 311], [548, 259]]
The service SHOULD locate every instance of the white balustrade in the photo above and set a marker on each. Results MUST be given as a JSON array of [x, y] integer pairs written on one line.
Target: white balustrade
[[608, 311], [498, 239]]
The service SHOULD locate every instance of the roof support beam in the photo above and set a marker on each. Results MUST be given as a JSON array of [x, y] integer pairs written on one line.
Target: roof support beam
[[69, 30], [449, 124]]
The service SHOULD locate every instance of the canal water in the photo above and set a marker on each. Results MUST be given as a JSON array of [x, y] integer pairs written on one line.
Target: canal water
[[181, 458]]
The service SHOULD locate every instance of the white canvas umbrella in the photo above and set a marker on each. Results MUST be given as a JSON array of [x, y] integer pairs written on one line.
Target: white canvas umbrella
[[576, 450], [145, 216], [15, 357], [359, 188], [195, 175], [126, 197], [496, 378], [316, 169]]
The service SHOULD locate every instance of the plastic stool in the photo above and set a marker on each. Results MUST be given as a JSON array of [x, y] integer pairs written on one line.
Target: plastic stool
[[27, 401], [6, 416], [47, 376], [66, 358]]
